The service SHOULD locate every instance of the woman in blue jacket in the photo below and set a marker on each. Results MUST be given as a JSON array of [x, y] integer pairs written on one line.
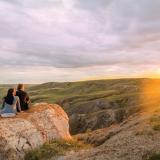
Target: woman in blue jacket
[[10, 104]]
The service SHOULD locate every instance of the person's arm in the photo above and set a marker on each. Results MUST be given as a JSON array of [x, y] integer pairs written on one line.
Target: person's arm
[[18, 104], [27, 99]]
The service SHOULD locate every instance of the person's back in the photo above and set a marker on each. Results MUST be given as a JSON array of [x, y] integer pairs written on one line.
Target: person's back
[[10, 104], [23, 96]]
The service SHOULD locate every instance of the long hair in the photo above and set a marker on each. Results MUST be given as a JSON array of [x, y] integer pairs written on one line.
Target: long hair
[[9, 98]]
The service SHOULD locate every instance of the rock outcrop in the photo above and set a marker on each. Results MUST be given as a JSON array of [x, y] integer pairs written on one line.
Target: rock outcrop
[[28, 130]]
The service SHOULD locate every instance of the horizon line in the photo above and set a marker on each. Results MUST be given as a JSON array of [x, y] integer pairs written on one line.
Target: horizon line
[[100, 79]]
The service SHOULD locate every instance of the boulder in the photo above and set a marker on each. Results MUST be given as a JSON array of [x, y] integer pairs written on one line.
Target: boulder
[[29, 130]]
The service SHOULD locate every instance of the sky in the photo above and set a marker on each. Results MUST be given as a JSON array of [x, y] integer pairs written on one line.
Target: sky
[[72, 40]]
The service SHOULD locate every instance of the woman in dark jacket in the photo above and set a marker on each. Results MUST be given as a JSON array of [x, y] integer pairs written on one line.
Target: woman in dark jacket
[[23, 96]]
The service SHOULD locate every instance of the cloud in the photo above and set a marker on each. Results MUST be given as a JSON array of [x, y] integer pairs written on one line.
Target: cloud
[[75, 34]]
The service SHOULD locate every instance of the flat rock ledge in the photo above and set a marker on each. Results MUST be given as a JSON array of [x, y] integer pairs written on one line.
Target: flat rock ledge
[[29, 130]]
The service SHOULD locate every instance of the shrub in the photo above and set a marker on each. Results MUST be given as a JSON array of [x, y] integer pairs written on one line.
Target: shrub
[[155, 156], [120, 115]]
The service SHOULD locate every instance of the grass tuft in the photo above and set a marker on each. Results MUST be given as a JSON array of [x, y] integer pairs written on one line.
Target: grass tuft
[[55, 148], [155, 122], [155, 156]]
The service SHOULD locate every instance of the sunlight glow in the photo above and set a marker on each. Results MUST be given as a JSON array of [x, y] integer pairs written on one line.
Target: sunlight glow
[[150, 97]]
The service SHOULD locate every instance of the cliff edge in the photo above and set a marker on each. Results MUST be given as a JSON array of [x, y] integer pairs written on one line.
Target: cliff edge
[[29, 130]]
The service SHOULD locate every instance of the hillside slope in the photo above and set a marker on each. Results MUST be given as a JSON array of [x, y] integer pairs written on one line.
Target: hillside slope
[[137, 138], [97, 104]]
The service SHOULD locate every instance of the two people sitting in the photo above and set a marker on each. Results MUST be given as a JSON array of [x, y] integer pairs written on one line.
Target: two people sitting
[[15, 101]]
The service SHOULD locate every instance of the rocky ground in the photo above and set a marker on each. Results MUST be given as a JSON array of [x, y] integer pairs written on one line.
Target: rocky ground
[[31, 129], [137, 138]]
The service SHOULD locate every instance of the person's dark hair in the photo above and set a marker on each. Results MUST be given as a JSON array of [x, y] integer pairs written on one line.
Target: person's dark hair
[[20, 86], [9, 98]]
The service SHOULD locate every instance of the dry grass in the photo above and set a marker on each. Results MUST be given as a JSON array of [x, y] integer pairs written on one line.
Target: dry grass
[[55, 148], [155, 122], [155, 156]]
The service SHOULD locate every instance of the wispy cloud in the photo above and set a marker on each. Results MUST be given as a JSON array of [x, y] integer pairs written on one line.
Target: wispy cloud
[[115, 37]]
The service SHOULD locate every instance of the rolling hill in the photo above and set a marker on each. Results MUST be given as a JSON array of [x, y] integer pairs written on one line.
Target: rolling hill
[[96, 104]]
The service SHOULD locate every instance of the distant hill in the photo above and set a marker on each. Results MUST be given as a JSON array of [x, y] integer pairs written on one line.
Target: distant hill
[[97, 104]]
